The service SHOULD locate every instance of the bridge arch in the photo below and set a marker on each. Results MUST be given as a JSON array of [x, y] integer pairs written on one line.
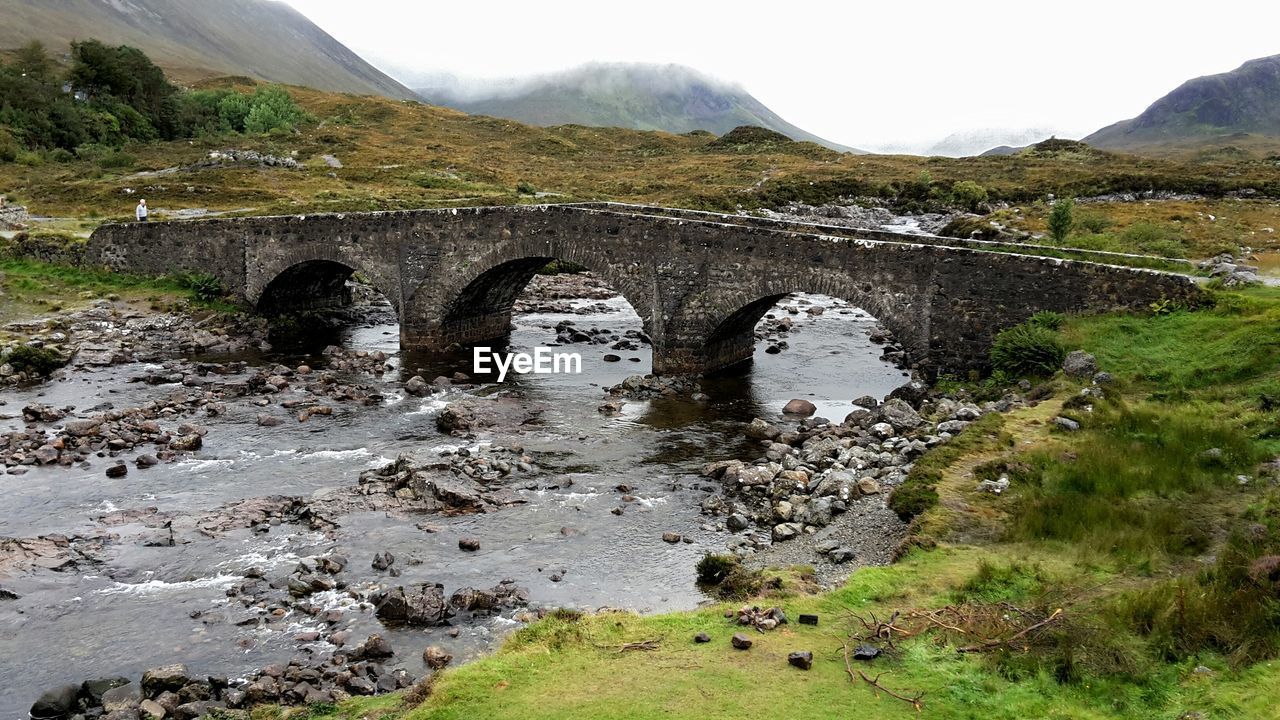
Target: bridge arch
[[475, 305], [730, 332], [313, 279]]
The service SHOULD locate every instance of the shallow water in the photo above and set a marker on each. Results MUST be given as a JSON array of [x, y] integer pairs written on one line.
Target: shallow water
[[151, 606]]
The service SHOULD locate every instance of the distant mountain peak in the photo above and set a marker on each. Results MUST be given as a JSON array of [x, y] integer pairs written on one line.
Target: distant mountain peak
[[641, 96], [1244, 100]]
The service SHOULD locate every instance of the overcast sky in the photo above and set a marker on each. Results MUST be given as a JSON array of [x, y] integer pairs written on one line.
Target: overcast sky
[[863, 74]]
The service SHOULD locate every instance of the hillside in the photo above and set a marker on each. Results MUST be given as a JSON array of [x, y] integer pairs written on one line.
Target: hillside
[[673, 98], [194, 38], [1227, 106]]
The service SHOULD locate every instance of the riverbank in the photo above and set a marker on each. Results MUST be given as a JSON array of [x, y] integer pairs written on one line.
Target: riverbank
[[1120, 571]]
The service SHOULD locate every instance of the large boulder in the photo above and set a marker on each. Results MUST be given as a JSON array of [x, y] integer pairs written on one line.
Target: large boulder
[[423, 604], [799, 407], [897, 413], [169, 677], [1080, 365], [913, 393], [60, 702]]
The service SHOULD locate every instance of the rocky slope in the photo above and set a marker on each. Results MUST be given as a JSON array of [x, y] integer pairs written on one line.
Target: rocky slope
[[193, 38]]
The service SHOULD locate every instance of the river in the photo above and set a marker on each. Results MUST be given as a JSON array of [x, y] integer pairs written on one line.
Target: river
[[145, 606]]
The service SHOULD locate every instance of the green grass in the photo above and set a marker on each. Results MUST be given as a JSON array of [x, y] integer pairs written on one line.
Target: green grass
[[570, 667], [31, 287]]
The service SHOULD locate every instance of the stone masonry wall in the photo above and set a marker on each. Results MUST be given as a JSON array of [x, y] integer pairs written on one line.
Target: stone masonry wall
[[700, 285]]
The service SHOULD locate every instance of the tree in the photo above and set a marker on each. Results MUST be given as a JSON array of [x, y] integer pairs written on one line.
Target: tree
[[33, 62], [1061, 220]]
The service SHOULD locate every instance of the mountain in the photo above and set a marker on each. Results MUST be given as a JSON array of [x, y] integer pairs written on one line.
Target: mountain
[[673, 98], [968, 143], [1245, 100], [193, 39]]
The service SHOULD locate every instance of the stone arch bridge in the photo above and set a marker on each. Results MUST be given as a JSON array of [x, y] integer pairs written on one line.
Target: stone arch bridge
[[700, 281]]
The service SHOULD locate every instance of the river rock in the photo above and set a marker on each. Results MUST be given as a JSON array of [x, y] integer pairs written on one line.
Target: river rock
[[60, 702], [741, 642], [469, 544], [125, 696], [423, 604], [118, 470], [169, 677], [737, 522], [186, 443], [93, 690], [436, 657], [798, 406], [375, 647], [417, 386], [82, 427], [899, 414], [1079, 364], [913, 393], [151, 710], [785, 531]]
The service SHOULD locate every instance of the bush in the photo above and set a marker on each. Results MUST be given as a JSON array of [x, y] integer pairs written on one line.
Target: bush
[[1093, 223], [1027, 349], [61, 155], [915, 496], [524, 187], [37, 361], [117, 160], [1048, 319], [272, 109], [203, 287], [725, 577], [1060, 220], [996, 583], [1154, 239], [969, 195]]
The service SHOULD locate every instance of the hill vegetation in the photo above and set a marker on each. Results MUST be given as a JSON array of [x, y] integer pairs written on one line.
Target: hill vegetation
[[111, 96], [198, 39]]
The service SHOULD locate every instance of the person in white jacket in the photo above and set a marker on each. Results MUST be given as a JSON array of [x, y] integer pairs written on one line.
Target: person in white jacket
[[141, 211]]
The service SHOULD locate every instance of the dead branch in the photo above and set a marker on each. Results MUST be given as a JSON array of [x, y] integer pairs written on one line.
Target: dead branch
[[993, 644], [916, 701], [641, 645]]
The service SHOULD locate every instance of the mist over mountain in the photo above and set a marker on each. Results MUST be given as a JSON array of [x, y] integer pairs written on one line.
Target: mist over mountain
[[1244, 100], [673, 98], [263, 39], [967, 143]]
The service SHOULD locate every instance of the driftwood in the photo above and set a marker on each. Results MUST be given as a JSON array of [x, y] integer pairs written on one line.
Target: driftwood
[[916, 701]]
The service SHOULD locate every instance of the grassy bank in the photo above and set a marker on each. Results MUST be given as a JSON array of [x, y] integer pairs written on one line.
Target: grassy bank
[[31, 288], [1130, 571]]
